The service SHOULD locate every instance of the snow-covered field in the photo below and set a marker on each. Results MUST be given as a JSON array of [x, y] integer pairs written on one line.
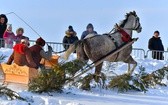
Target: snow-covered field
[[75, 96]]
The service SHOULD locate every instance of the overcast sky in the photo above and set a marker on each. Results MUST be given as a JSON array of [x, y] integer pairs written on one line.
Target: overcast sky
[[50, 18]]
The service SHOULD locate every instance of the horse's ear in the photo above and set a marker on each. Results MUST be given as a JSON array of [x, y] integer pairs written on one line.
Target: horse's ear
[[127, 14], [134, 12]]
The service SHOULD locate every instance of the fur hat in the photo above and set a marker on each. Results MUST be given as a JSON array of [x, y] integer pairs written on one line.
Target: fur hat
[[40, 41], [89, 26]]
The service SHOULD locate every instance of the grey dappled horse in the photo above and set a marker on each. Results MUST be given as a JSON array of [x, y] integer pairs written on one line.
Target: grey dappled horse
[[94, 48]]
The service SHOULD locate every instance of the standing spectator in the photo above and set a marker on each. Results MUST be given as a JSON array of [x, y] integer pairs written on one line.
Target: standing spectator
[[3, 26], [38, 53], [19, 35], [70, 37], [9, 37], [89, 30], [155, 43]]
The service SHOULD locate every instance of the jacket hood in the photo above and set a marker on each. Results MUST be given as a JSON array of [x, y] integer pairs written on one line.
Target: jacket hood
[[155, 37], [89, 26], [70, 33]]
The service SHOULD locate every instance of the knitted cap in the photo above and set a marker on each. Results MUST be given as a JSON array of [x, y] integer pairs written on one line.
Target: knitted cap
[[40, 41]]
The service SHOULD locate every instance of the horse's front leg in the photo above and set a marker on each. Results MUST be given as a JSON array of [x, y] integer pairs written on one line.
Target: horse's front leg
[[130, 71], [98, 69], [130, 61]]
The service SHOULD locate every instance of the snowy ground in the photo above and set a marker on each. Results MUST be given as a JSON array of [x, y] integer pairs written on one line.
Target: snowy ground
[[75, 96]]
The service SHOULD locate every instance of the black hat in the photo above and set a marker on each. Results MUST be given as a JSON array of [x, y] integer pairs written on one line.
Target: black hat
[[70, 28], [89, 26], [157, 32]]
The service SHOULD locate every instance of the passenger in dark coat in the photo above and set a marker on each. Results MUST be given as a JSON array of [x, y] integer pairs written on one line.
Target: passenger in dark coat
[[155, 43], [69, 38], [3, 26]]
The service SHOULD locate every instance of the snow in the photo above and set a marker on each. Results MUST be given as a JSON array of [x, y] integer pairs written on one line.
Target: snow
[[74, 96]]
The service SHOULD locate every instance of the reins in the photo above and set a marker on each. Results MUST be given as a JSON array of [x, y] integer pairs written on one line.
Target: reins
[[30, 28]]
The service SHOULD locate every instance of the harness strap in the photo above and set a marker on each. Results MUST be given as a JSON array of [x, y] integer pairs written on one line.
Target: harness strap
[[125, 36]]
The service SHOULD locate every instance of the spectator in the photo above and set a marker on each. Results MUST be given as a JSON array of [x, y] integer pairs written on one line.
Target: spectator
[[70, 37], [38, 53], [9, 37], [89, 30], [22, 55], [155, 43], [19, 35], [3, 26]]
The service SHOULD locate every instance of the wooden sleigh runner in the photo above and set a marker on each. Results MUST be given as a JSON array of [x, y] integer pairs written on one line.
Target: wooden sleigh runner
[[23, 74]]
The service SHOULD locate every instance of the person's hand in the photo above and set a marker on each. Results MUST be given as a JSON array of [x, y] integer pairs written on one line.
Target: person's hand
[[49, 48]]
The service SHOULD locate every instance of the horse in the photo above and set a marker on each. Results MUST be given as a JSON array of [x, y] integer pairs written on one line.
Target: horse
[[98, 46]]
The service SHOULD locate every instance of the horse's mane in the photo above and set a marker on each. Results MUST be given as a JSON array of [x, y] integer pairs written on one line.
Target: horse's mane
[[126, 18]]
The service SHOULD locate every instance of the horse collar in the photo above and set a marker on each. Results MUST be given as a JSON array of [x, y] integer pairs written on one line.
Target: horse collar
[[124, 35]]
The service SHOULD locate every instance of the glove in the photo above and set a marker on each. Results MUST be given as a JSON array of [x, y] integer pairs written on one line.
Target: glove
[[49, 48]]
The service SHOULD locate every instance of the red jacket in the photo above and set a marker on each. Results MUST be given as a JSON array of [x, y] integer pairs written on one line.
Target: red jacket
[[22, 56]]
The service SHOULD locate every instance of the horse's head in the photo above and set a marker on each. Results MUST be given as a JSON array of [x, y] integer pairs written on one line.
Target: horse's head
[[132, 22]]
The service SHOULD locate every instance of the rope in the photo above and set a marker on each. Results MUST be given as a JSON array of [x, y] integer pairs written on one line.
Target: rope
[[24, 22], [28, 26]]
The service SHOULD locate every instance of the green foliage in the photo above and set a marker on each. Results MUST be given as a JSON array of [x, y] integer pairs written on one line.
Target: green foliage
[[100, 79], [72, 67], [155, 78], [86, 82], [48, 80], [122, 83], [8, 93], [139, 82], [54, 79]]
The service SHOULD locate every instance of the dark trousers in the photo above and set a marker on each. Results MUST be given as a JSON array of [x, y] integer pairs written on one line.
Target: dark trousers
[[2, 43], [157, 55]]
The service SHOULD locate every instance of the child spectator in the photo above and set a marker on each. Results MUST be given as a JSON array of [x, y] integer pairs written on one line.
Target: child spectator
[[9, 37], [19, 35]]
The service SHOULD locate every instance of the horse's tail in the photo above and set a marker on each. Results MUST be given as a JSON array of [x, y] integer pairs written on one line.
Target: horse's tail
[[70, 50]]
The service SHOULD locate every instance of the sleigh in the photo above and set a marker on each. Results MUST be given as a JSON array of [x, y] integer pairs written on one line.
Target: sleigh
[[23, 74], [18, 74], [48, 64]]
